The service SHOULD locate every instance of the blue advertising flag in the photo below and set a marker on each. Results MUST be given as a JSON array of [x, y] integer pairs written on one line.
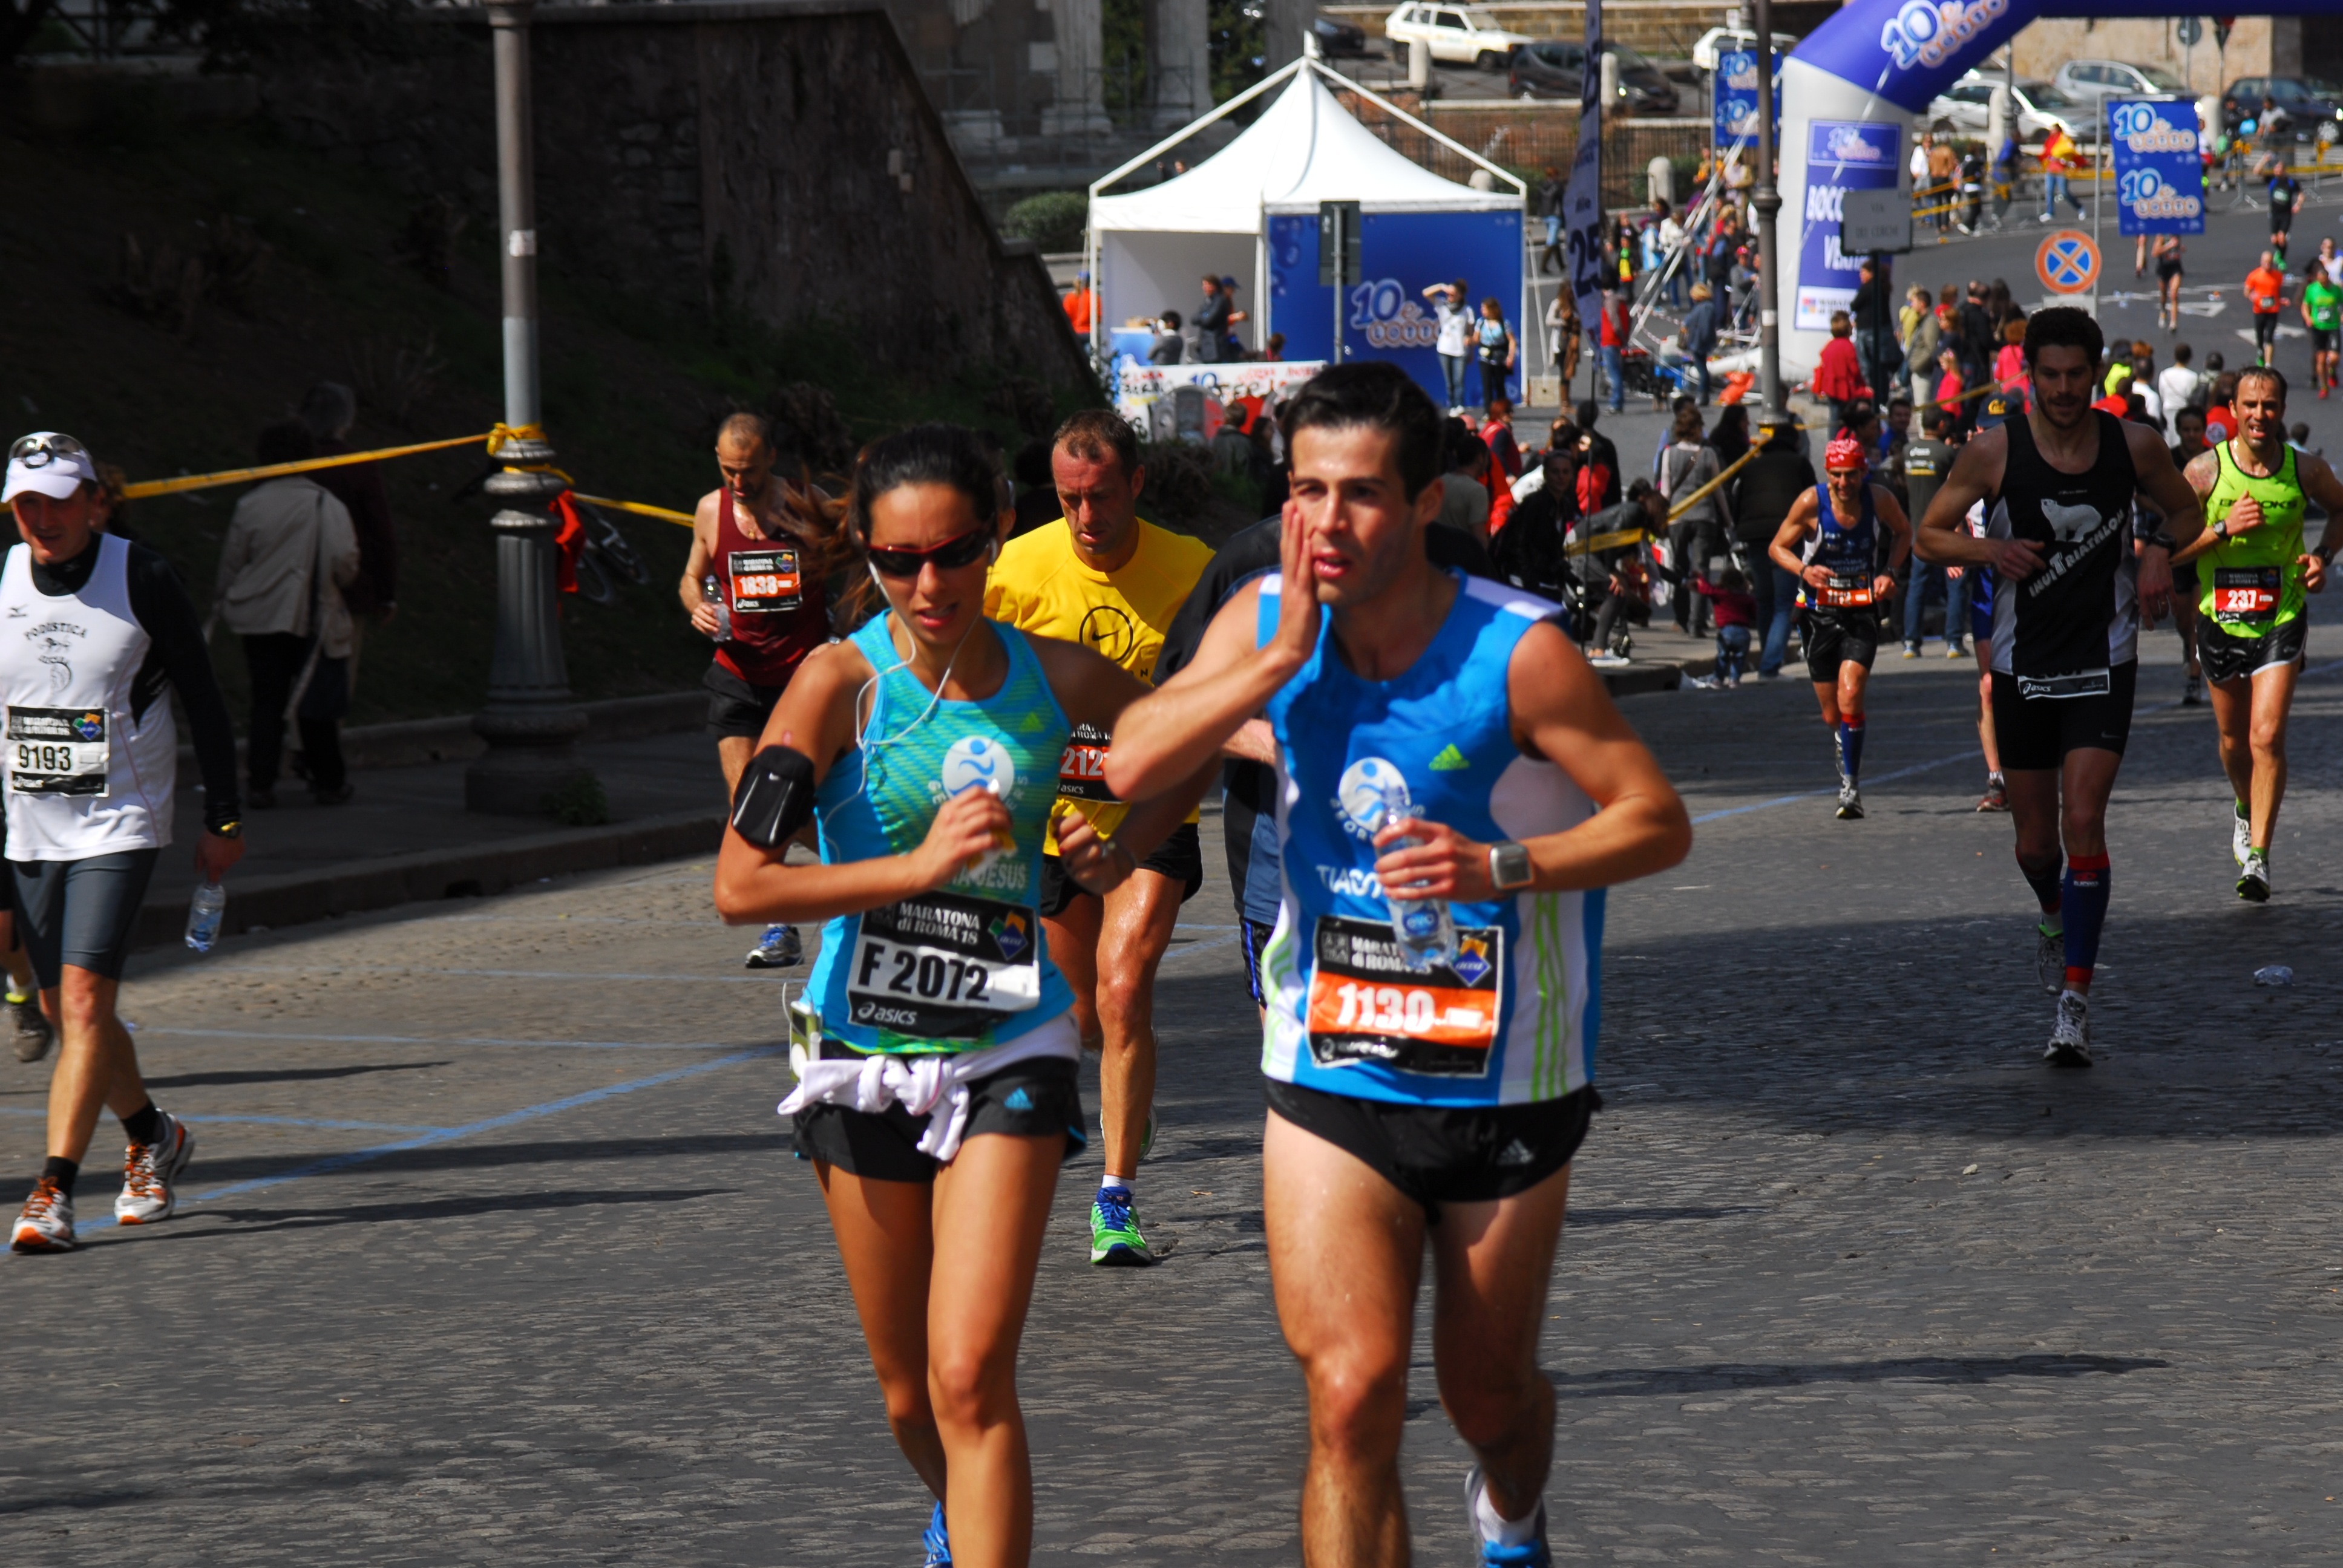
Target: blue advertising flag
[[1841, 156], [1735, 118], [2160, 177], [1581, 201]]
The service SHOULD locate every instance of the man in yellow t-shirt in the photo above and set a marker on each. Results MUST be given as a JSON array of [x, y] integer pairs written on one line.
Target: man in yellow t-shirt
[[1100, 576]]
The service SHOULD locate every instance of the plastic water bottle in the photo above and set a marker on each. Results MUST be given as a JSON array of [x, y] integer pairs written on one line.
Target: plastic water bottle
[[713, 592], [204, 914], [1423, 928]]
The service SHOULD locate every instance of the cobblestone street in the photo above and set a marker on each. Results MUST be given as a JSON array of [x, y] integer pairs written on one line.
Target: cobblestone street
[[497, 1253]]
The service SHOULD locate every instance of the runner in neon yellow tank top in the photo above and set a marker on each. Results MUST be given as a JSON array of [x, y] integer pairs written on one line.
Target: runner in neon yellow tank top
[[937, 1065], [2253, 575]]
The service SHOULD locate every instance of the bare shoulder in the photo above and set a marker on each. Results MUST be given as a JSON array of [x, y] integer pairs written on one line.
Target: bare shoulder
[[2204, 471], [2145, 443], [829, 669], [709, 511]]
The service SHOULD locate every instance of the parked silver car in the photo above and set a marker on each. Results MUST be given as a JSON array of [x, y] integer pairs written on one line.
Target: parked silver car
[[2088, 81], [1966, 107]]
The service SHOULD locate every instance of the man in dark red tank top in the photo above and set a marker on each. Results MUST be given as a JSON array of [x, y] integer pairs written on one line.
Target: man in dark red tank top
[[754, 584]]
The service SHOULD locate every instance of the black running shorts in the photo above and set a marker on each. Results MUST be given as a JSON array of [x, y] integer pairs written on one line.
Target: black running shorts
[[1437, 1154], [81, 912], [1832, 640], [736, 709], [1180, 856], [2322, 340], [2036, 733], [1252, 936], [2224, 656], [1026, 1100]]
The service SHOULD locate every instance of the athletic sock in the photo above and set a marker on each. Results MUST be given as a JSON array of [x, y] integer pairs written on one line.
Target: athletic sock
[[57, 1168], [2083, 901], [2047, 890], [1850, 747], [143, 1123], [1114, 1184], [1503, 1531]]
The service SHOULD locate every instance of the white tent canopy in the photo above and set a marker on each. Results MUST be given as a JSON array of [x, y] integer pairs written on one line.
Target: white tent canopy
[[1152, 246]]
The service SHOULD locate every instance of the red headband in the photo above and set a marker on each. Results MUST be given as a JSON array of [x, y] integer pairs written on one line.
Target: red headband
[[1846, 452]]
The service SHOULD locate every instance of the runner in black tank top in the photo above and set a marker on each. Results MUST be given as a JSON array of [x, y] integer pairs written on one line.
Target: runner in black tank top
[[2069, 596]]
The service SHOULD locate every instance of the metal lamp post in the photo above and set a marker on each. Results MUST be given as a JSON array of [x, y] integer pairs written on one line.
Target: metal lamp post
[[530, 723], [1767, 200]]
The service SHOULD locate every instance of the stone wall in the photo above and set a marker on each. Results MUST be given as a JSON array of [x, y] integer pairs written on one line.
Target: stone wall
[[781, 157], [2258, 47]]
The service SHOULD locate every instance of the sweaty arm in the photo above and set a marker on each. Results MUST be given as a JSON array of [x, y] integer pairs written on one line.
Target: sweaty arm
[[1167, 735], [1900, 532], [707, 517], [1790, 539], [2318, 482], [1943, 538], [1094, 690], [179, 658], [1561, 713]]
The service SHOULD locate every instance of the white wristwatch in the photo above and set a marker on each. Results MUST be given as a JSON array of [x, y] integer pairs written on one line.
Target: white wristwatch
[[1510, 867]]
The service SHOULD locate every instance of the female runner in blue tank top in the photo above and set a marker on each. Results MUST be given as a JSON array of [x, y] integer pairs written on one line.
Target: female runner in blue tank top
[[935, 1056]]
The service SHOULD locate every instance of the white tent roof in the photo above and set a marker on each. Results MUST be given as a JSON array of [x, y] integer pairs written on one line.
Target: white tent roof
[[1304, 149]]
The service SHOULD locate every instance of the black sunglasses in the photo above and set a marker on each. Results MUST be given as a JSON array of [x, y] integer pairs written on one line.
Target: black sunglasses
[[949, 555]]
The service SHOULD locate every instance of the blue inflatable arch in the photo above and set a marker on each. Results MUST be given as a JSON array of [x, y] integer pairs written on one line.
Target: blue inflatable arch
[[1851, 93]]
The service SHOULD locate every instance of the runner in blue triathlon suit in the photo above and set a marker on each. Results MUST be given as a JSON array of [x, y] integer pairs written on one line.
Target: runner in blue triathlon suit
[[2059, 487], [935, 1057], [1442, 749]]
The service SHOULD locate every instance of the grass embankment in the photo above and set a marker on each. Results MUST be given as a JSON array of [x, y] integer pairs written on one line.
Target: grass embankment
[[308, 281]]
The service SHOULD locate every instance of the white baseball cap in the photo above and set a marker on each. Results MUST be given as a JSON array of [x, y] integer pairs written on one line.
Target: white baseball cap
[[49, 461]]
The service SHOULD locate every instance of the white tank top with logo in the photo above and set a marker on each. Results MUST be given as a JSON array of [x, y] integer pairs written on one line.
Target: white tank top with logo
[[84, 777]]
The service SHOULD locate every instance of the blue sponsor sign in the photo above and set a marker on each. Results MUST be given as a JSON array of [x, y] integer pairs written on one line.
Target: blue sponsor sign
[[1841, 155], [1734, 115], [1907, 51], [2160, 177], [1384, 316]]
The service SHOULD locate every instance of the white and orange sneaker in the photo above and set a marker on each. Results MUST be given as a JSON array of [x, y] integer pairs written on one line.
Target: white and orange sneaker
[[46, 1222], [149, 1172]]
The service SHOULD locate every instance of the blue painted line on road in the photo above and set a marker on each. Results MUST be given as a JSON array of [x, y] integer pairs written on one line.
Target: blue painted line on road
[[441, 1040], [449, 1135], [265, 1121]]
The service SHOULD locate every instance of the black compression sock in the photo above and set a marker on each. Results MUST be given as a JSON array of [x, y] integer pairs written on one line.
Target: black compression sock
[[61, 1170], [143, 1123], [2047, 885]]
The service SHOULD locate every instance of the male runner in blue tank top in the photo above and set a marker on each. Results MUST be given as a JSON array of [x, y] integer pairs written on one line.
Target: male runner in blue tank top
[[1831, 541], [1444, 1100], [2058, 486]]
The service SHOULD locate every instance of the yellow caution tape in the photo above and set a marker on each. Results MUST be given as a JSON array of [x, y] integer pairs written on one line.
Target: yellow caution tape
[[1619, 540], [146, 489], [639, 508]]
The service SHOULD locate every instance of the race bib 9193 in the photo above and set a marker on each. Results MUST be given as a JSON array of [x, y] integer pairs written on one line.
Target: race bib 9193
[[56, 750]]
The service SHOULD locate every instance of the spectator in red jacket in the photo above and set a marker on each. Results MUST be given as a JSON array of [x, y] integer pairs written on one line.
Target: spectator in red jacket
[[1838, 374]]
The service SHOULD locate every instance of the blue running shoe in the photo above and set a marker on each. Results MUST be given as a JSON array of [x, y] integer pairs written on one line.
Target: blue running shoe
[[1115, 1241], [1529, 1554], [937, 1542]]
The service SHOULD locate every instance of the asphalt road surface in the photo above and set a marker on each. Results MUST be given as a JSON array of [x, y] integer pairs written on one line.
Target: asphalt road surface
[[495, 1250]]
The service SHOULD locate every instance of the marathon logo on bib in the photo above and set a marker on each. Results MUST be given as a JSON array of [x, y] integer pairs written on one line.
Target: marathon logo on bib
[[764, 581], [1846, 593], [1367, 1005], [58, 750], [1081, 768]]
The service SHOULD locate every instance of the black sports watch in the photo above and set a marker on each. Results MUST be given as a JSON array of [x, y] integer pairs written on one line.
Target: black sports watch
[[1510, 867]]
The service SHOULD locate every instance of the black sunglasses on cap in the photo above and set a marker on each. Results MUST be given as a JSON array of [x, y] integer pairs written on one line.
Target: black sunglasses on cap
[[949, 555], [40, 451]]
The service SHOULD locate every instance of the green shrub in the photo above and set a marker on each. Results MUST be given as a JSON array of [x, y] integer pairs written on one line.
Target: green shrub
[[1052, 220]]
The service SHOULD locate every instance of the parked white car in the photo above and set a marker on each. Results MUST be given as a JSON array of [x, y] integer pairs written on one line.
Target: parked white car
[[1966, 107], [1457, 34], [2088, 81], [1717, 40]]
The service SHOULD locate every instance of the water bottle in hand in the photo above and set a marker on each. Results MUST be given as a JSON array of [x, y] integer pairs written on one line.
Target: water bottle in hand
[[712, 591], [205, 911], [1426, 930]]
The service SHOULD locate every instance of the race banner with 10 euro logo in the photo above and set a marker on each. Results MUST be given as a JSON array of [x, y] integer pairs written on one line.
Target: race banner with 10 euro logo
[[2159, 178], [56, 751]]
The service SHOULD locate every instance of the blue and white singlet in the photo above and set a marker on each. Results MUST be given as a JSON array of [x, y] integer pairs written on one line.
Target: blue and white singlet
[[1514, 1020]]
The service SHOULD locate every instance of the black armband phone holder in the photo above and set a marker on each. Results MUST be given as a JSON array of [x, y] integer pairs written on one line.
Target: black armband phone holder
[[775, 797]]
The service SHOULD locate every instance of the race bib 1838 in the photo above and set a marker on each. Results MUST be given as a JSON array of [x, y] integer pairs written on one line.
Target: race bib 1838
[[56, 750], [1367, 1005], [944, 966], [764, 581]]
